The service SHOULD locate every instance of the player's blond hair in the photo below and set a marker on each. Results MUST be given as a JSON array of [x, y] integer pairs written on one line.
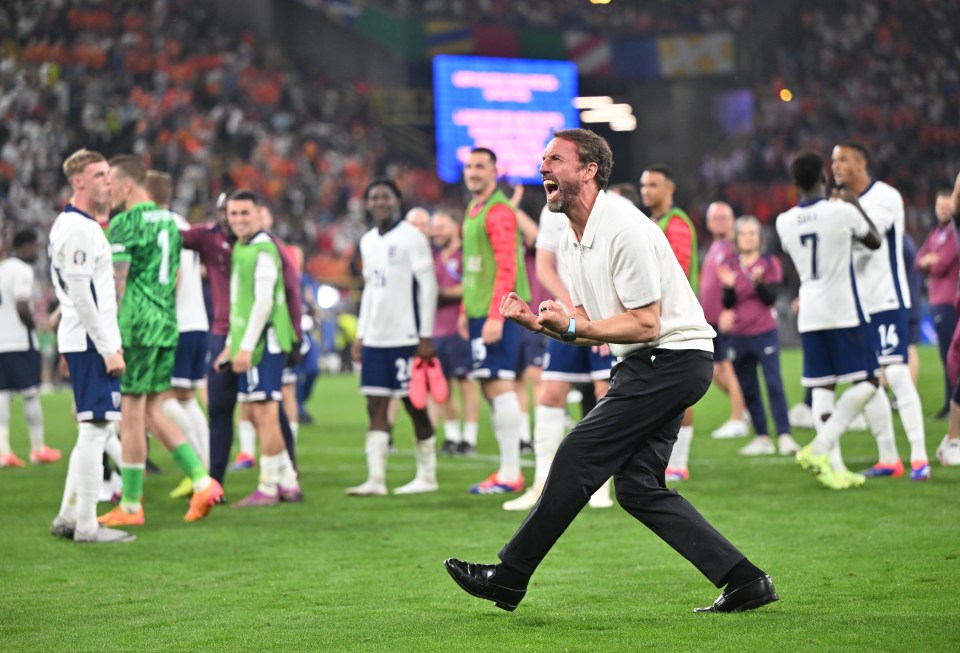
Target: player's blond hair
[[159, 186], [77, 162]]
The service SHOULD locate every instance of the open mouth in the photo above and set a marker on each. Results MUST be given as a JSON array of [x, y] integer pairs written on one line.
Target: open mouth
[[552, 189]]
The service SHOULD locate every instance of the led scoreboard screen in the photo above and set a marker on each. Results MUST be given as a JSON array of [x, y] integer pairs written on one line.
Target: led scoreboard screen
[[511, 106]]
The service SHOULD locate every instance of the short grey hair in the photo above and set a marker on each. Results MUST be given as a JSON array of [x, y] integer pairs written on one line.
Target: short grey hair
[[745, 220]]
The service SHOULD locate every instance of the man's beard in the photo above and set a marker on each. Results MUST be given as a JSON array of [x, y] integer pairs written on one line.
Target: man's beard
[[568, 193]]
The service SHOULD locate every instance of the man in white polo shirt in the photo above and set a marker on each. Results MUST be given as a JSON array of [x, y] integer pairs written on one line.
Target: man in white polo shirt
[[628, 291]]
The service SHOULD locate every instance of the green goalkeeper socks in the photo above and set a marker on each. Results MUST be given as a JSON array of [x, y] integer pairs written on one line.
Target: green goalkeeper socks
[[187, 460], [132, 478]]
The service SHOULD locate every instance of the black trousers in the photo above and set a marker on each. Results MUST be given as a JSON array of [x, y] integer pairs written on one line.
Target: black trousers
[[629, 435], [945, 321], [222, 401]]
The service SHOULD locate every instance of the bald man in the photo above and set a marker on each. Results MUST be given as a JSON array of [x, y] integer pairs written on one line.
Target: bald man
[[720, 219]]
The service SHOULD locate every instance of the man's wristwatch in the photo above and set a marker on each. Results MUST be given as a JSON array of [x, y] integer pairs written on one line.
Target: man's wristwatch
[[571, 333]]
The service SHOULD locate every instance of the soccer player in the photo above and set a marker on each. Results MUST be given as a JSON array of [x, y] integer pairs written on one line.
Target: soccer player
[[720, 219], [453, 350], [88, 336], [146, 242], [750, 285], [886, 298], [261, 335], [397, 312], [657, 187], [564, 365], [938, 260], [628, 291], [19, 352], [493, 266], [818, 235], [190, 362], [214, 242]]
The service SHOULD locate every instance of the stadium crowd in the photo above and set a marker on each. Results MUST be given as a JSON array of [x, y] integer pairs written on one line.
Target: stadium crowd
[[216, 109], [880, 72], [661, 17]]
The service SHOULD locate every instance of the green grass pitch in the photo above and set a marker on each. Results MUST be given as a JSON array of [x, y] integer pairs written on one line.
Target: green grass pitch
[[873, 569]]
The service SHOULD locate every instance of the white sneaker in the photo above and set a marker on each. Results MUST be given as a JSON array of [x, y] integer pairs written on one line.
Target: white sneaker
[[418, 486], [368, 489], [62, 528], [801, 417], [732, 428], [110, 488], [525, 501], [760, 446], [948, 453], [786, 445], [104, 535]]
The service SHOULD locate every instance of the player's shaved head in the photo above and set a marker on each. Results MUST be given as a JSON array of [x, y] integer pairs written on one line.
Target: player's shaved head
[[244, 194], [806, 170], [857, 148]]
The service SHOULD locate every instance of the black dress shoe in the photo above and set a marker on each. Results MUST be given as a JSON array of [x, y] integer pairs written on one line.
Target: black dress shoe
[[480, 581], [752, 595]]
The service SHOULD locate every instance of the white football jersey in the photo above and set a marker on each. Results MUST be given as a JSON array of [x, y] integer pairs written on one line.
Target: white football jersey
[[819, 239], [191, 311], [881, 273], [388, 308], [16, 285], [80, 253]]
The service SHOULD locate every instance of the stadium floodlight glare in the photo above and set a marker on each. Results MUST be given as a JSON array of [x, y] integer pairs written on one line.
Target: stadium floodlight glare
[[607, 113], [624, 124], [327, 296], [592, 101]]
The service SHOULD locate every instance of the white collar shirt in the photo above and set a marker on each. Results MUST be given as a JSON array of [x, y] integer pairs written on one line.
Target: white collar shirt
[[623, 262]]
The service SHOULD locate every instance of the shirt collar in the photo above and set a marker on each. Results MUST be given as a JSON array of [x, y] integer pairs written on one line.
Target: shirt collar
[[593, 221], [72, 208]]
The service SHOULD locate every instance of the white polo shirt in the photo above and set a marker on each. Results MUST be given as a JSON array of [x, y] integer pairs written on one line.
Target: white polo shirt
[[622, 262]]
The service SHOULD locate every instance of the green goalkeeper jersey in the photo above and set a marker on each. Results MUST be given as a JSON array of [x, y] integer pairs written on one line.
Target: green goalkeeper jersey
[[147, 237]]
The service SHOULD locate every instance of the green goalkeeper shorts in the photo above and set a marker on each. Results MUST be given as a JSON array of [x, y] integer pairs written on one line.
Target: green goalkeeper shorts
[[149, 370]]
